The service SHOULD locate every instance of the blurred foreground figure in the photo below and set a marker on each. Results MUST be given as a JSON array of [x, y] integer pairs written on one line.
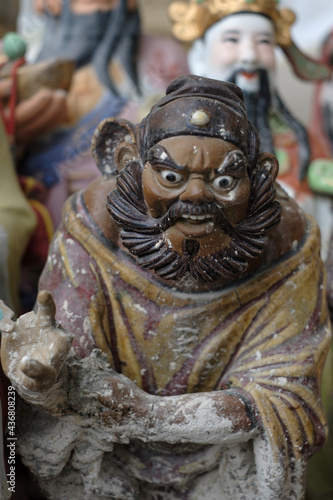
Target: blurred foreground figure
[[32, 105], [197, 313], [17, 222]]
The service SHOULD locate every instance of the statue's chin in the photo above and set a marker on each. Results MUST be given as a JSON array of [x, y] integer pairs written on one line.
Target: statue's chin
[[208, 238], [250, 82]]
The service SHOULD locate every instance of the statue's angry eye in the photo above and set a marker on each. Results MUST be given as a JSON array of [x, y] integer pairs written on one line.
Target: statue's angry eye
[[224, 181], [171, 176]]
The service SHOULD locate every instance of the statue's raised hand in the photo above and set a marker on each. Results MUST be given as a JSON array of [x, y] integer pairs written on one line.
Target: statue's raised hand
[[33, 348]]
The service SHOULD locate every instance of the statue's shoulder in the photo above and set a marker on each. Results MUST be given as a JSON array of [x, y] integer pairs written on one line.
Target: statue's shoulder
[[290, 231], [95, 196]]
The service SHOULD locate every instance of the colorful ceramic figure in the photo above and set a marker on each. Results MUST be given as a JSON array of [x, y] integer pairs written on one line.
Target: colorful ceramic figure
[[323, 112], [198, 315], [321, 172], [103, 39], [89, 38], [235, 40]]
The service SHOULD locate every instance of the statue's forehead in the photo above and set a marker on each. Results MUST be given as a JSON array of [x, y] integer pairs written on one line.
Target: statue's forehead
[[192, 148], [243, 23]]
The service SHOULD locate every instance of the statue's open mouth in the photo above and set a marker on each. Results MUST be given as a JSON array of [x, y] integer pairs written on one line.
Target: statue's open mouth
[[197, 218], [195, 226], [249, 74]]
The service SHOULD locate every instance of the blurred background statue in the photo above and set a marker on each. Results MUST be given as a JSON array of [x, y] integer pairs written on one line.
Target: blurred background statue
[[236, 41], [116, 69], [94, 36]]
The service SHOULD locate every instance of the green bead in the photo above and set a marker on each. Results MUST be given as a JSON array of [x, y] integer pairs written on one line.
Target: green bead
[[320, 176], [14, 45]]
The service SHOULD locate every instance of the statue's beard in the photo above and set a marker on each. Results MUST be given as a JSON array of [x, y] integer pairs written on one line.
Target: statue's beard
[[258, 105], [144, 236]]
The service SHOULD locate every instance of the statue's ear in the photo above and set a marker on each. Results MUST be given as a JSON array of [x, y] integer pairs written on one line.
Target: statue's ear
[[268, 162], [197, 57], [125, 153], [107, 137]]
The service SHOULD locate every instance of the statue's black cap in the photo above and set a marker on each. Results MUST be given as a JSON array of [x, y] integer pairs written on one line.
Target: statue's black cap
[[221, 102]]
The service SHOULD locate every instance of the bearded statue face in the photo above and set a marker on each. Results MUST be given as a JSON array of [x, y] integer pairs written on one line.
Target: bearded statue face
[[237, 49], [203, 176], [194, 207]]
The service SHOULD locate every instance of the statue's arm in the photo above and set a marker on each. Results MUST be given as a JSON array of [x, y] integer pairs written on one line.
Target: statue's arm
[[35, 355], [104, 399], [226, 416], [37, 359]]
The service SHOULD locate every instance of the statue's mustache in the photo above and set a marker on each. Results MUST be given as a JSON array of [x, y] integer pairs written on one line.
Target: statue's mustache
[[241, 69], [181, 209]]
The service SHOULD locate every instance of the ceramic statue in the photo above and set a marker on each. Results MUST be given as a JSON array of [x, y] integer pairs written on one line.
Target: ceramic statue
[[182, 327], [320, 172], [323, 105], [88, 38], [117, 68]]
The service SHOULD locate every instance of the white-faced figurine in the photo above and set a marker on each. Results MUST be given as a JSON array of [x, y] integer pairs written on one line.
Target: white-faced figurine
[[236, 41], [236, 48]]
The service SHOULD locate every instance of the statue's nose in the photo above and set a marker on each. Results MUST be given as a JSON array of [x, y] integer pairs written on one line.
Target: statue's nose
[[248, 53], [197, 191]]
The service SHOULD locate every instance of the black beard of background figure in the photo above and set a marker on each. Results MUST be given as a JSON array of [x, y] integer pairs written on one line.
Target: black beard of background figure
[[257, 106], [143, 235], [94, 38]]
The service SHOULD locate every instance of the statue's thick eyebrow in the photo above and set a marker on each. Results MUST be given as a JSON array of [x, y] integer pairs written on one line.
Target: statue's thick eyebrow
[[234, 163], [158, 155], [265, 33], [231, 31]]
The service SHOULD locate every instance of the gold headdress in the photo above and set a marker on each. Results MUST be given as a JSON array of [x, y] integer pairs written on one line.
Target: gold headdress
[[192, 18]]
